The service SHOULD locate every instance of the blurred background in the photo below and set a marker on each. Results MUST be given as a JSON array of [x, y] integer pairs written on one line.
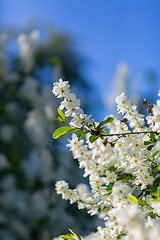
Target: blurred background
[[102, 49]]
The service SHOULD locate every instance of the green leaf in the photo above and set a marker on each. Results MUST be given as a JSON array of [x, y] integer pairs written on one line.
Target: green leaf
[[147, 142], [112, 169], [73, 130], [158, 192], [128, 178], [105, 132], [150, 147], [75, 234], [62, 130], [157, 180], [155, 199], [67, 236], [120, 235], [154, 154], [81, 134], [152, 215], [133, 199], [109, 187], [108, 120], [61, 114], [157, 157], [58, 119], [144, 203], [93, 138], [152, 136]]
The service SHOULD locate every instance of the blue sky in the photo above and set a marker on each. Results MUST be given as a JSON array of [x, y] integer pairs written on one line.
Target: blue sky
[[106, 31]]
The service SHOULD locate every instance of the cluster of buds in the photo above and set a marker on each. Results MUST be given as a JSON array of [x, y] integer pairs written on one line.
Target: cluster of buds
[[150, 106]]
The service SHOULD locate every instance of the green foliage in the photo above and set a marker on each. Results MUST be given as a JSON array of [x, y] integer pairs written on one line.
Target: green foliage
[[105, 132], [93, 138], [144, 203], [73, 236], [158, 192], [154, 154], [67, 236], [108, 120], [109, 188], [133, 199], [58, 119], [147, 142], [81, 134], [157, 180], [151, 142], [156, 200], [112, 169], [150, 147], [73, 130], [138, 201], [152, 136], [97, 131], [62, 130], [121, 235], [61, 114]]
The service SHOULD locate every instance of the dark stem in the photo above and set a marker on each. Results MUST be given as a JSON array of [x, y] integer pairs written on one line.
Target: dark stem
[[124, 134]]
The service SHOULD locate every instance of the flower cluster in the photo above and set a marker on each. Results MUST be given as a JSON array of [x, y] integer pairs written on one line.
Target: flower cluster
[[122, 162], [70, 103]]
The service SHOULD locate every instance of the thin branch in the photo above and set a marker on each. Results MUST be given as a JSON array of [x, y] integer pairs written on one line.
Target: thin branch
[[124, 134]]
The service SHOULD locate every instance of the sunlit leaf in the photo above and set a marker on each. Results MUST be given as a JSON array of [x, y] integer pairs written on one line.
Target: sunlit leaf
[[81, 134], [108, 120], [73, 130], [61, 114], [155, 200], [62, 130], [75, 234], [154, 154], [93, 138], [120, 235], [133, 199], [157, 157], [105, 132], [67, 236], [58, 119], [144, 203]]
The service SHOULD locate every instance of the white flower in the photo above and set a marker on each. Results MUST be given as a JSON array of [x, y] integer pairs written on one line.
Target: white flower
[[121, 189], [61, 88], [61, 187], [70, 102]]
